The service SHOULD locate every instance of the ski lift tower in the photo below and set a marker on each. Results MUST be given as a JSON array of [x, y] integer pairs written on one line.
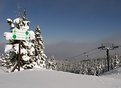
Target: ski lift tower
[[108, 47]]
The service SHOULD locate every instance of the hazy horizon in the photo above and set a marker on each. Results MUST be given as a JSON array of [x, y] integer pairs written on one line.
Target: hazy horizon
[[75, 21]]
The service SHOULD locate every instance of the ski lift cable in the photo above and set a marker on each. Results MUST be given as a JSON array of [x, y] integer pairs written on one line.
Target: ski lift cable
[[85, 57], [88, 55], [91, 54], [83, 53]]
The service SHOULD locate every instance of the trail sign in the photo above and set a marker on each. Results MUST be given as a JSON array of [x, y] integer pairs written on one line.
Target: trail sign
[[20, 34], [17, 35]]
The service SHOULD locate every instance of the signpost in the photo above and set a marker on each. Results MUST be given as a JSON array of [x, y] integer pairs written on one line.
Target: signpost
[[19, 27], [17, 35], [19, 59]]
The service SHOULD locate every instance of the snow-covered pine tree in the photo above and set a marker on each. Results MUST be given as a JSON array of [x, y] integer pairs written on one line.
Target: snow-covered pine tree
[[26, 46], [51, 63], [115, 61], [40, 57]]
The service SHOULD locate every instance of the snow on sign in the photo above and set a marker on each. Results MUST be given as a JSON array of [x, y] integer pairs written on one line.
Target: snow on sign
[[17, 35]]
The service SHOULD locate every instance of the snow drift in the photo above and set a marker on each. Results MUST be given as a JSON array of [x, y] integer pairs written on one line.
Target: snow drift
[[53, 79]]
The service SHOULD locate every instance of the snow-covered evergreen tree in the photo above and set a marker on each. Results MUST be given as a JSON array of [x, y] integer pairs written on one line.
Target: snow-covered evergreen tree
[[32, 48], [26, 46], [40, 57], [51, 63], [115, 61]]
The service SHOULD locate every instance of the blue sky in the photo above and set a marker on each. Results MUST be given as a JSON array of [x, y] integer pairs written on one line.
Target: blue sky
[[67, 20]]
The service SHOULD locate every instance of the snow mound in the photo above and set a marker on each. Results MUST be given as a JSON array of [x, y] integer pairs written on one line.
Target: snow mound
[[53, 79], [115, 73], [3, 70]]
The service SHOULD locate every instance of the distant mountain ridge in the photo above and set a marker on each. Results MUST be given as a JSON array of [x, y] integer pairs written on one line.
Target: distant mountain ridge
[[63, 50]]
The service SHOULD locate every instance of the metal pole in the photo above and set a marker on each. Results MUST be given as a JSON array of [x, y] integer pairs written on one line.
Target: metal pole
[[19, 14], [108, 60]]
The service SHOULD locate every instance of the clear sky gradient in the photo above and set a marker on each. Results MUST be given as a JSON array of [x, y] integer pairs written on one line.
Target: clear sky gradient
[[66, 20]]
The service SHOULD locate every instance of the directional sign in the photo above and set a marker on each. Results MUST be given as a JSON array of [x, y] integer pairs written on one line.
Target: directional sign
[[19, 35], [11, 36]]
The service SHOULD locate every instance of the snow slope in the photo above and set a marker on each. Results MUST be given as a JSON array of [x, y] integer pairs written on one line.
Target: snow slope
[[54, 79], [115, 73]]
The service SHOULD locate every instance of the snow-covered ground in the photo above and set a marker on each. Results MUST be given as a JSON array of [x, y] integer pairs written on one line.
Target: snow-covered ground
[[55, 79], [115, 73]]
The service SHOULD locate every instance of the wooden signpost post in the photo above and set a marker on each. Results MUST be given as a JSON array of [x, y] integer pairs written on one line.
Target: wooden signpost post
[[17, 35], [17, 65]]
